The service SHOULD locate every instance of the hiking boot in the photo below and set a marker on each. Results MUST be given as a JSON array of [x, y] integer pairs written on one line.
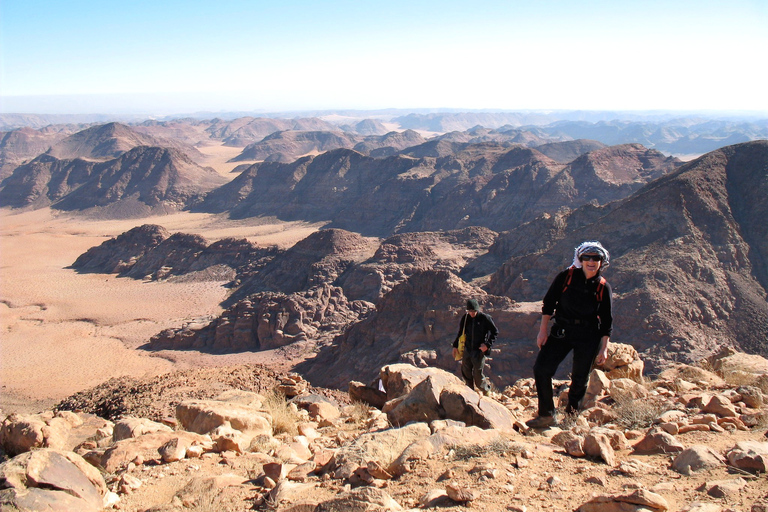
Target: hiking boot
[[542, 422]]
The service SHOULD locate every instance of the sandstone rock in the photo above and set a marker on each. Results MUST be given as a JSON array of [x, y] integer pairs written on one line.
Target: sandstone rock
[[721, 406], [656, 441], [724, 488], [575, 447], [728, 361], [702, 507], [242, 397], [48, 479], [598, 445], [697, 458], [384, 446], [460, 493], [435, 498], [135, 427], [632, 371], [422, 403], [174, 450], [619, 354], [202, 416], [623, 390], [362, 499], [200, 488], [146, 446], [692, 374], [324, 411], [598, 383], [752, 396], [20, 433], [749, 456], [366, 394], [400, 379], [462, 404], [225, 438], [637, 501], [377, 470], [301, 472]]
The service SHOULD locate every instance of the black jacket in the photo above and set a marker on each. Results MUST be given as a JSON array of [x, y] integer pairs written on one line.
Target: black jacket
[[579, 302], [479, 330]]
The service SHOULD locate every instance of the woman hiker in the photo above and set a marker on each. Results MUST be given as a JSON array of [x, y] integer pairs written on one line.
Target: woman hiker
[[480, 332], [580, 300]]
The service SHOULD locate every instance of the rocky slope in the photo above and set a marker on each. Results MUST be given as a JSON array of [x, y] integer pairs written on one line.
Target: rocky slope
[[689, 257], [137, 182], [293, 144], [151, 252], [691, 441], [480, 185], [22, 144], [107, 141]]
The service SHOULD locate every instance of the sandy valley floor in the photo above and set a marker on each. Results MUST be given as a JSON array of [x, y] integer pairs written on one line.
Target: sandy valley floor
[[63, 331]]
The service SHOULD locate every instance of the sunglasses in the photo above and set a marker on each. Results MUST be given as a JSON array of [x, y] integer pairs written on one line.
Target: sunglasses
[[590, 257]]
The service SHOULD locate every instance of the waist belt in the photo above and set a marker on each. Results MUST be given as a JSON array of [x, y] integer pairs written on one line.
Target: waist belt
[[582, 323]]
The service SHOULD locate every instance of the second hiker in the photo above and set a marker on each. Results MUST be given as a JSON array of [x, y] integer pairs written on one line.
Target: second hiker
[[480, 332]]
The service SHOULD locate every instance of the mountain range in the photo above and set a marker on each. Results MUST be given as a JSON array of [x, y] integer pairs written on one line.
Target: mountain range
[[413, 225]]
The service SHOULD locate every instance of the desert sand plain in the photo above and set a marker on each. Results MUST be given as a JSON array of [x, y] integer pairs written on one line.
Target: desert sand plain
[[63, 332]]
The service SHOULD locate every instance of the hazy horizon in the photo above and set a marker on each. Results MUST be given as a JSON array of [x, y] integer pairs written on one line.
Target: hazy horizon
[[180, 57]]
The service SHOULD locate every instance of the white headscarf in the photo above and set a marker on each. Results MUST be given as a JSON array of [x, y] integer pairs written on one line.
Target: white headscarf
[[591, 247]]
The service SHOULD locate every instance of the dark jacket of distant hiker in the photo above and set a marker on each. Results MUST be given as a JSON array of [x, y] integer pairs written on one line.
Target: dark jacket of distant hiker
[[480, 329]]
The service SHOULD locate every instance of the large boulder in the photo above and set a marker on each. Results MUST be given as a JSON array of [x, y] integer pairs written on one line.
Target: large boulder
[[697, 458], [384, 447], [400, 379], [202, 416], [463, 404], [421, 404], [146, 446], [21, 433], [51, 480], [135, 427]]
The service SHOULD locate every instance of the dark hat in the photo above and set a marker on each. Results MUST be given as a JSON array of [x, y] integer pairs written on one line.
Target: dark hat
[[472, 305]]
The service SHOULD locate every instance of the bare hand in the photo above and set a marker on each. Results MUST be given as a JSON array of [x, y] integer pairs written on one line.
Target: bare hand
[[541, 339], [483, 348], [455, 352], [601, 356]]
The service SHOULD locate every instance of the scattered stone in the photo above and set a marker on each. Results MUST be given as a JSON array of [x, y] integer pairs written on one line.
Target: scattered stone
[[657, 441], [459, 493], [721, 406], [598, 445], [724, 488], [435, 498], [641, 499], [362, 499], [697, 458], [749, 456]]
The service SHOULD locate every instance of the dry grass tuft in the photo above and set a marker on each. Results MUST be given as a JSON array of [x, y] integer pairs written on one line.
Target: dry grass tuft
[[358, 414], [638, 413], [285, 418], [499, 447]]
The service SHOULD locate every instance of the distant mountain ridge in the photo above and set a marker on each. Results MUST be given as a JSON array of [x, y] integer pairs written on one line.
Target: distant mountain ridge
[[136, 182], [481, 184]]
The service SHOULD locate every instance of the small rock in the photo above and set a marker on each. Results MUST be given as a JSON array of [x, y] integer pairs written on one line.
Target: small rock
[[460, 494]]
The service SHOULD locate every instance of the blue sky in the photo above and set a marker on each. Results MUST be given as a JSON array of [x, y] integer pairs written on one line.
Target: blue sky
[[82, 56]]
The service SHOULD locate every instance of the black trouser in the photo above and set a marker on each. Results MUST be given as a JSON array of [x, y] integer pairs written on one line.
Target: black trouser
[[472, 366], [585, 343]]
